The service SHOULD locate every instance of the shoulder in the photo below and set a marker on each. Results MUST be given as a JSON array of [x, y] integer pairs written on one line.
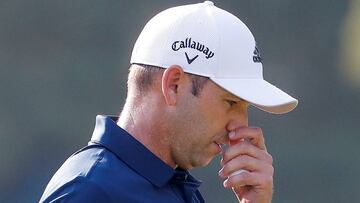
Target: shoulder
[[79, 189], [71, 180], [93, 172]]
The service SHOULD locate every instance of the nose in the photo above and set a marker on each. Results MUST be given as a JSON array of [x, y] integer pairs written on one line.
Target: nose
[[238, 118]]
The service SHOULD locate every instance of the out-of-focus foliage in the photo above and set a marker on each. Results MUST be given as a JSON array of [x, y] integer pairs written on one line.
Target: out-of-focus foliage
[[350, 56]]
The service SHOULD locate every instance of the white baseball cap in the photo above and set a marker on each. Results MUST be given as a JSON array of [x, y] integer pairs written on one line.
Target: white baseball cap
[[208, 41]]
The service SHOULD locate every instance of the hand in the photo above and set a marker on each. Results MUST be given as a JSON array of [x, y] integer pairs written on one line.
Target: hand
[[247, 166]]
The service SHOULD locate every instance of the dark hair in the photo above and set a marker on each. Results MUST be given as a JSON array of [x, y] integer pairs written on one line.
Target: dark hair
[[143, 76]]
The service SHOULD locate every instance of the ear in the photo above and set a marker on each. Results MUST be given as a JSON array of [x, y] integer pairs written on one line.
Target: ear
[[172, 78]]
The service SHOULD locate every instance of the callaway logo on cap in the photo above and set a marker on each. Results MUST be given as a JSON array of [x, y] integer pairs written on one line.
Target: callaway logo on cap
[[188, 43], [208, 41]]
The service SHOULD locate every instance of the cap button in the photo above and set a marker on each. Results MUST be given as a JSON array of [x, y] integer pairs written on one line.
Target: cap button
[[208, 3]]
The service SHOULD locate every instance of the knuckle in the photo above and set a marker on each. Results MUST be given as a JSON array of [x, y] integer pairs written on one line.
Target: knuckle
[[258, 131], [269, 180], [270, 158], [271, 171]]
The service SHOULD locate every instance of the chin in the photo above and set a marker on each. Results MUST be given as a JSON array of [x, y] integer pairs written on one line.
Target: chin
[[192, 165], [203, 163], [195, 162]]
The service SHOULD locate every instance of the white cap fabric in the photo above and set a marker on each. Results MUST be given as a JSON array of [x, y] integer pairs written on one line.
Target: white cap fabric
[[208, 41]]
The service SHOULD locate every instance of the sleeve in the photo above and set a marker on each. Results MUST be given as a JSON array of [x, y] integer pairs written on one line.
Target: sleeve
[[78, 192]]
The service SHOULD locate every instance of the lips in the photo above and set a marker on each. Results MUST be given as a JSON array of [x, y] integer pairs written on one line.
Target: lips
[[219, 146], [222, 143]]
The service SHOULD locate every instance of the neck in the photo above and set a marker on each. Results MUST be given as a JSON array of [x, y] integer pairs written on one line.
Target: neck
[[147, 127]]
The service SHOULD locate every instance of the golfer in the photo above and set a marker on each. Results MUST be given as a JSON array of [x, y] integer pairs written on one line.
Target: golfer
[[195, 69]]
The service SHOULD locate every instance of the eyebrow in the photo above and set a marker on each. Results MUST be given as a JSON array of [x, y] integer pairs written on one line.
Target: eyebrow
[[228, 94]]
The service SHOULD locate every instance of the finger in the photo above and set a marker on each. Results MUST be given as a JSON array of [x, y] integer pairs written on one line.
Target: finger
[[246, 178], [245, 148], [243, 162], [253, 134]]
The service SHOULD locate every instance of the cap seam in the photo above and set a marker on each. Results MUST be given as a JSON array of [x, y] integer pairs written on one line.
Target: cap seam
[[217, 58]]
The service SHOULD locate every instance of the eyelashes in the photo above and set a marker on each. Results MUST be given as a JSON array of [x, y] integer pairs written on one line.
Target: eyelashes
[[231, 103]]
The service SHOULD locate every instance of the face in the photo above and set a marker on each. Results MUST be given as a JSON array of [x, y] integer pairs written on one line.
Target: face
[[203, 123]]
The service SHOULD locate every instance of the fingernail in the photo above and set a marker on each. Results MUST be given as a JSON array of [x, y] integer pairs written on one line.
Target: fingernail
[[225, 183], [220, 172], [232, 134], [238, 172]]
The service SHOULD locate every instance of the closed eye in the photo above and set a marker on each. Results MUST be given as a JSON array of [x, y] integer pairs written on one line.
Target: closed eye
[[231, 103]]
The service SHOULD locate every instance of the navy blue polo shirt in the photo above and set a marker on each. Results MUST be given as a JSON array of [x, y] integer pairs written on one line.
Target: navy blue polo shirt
[[115, 167]]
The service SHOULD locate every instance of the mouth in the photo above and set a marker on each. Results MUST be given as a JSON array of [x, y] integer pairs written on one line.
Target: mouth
[[220, 146]]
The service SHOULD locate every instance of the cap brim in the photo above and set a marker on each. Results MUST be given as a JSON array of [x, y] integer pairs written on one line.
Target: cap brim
[[259, 93]]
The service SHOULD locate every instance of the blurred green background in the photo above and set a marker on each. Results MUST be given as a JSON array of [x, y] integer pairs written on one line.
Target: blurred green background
[[64, 62]]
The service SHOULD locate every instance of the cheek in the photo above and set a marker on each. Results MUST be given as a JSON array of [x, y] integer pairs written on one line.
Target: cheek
[[201, 122], [215, 118], [197, 132]]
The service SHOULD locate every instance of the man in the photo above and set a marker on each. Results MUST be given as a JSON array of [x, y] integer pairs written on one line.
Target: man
[[195, 69]]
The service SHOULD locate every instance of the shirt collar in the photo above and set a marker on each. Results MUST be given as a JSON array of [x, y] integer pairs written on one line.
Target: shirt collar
[[108, 134], [188, 183]]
